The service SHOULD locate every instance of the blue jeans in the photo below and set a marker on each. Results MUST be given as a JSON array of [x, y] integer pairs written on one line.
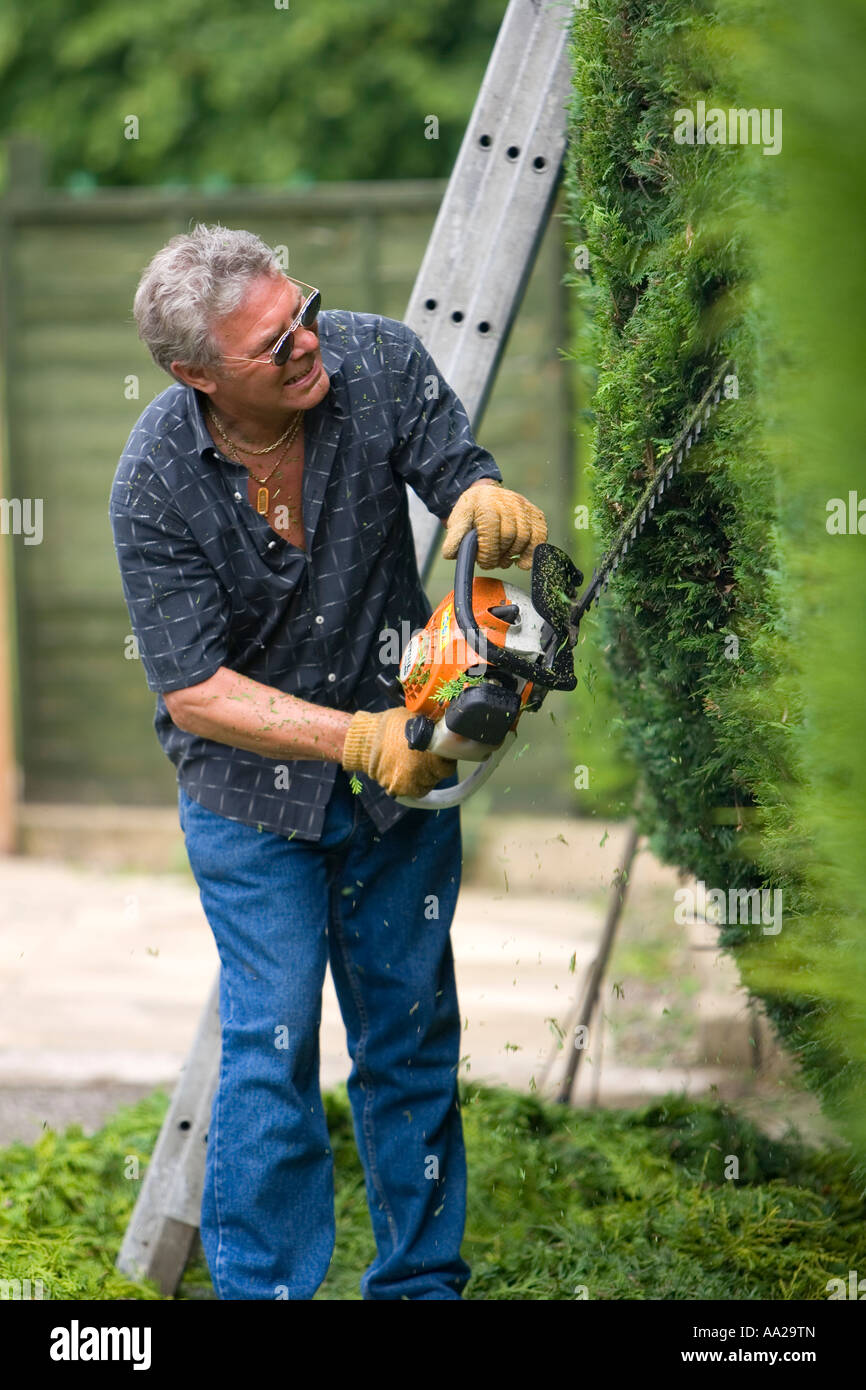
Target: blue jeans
[[379, 907]]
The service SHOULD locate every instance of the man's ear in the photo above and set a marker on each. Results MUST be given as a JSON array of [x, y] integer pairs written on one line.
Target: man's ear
[[202, 378]]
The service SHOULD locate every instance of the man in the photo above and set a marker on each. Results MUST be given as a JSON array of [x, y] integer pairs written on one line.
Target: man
[[261, 525]]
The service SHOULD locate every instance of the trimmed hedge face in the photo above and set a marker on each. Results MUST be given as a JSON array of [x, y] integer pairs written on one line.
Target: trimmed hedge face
[[698, 622], [668, 296]]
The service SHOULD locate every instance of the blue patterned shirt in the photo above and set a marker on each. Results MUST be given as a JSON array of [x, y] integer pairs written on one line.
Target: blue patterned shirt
[[209, 583]]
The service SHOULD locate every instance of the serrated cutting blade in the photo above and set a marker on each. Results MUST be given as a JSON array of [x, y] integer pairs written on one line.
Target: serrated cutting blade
[[653, 493]]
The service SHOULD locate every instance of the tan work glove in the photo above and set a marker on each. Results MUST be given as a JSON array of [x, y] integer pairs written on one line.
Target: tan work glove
[[376, 744], [507, 525]]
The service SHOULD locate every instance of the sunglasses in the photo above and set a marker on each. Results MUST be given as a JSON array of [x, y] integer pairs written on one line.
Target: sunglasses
[[282, 348]]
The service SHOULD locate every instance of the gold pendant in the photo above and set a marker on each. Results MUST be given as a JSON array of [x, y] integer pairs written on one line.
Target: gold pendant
[[262, 499]]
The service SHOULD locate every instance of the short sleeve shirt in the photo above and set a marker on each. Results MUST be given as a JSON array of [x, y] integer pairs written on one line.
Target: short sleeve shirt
[[209, 583]]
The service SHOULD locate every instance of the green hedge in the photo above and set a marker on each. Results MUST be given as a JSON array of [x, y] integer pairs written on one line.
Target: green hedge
[[682, 271]]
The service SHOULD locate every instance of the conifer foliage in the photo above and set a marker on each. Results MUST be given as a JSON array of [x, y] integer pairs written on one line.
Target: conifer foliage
[[667, 294], [682, 257]]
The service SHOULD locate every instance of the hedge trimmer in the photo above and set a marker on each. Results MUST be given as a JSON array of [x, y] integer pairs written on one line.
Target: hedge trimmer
[[490, 652]]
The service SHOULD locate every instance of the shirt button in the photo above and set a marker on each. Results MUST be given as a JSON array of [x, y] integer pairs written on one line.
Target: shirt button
[[271, 545], [319, 618], [331, 676], [237, 497]]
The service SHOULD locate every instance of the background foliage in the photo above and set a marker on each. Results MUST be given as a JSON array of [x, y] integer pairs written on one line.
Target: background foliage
[[234, 93], [809, 247]]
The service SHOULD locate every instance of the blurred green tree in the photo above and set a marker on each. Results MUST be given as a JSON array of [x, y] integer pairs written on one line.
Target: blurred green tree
[[213, 92]]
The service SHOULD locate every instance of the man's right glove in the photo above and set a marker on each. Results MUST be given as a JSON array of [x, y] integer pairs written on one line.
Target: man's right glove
[[507, 524], [376, 744]]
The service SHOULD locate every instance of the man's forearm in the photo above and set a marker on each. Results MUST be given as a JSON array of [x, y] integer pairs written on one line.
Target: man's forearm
[[231, 708]]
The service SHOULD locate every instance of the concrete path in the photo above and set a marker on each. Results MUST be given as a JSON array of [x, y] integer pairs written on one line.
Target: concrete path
[[103, 976]]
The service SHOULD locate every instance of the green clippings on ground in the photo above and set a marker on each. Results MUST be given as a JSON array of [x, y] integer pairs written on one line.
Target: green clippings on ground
[[628, 1204], [64, 1204], [636, 1205]]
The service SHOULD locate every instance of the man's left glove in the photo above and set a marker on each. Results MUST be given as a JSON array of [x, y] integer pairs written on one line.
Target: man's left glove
[[507, 525]]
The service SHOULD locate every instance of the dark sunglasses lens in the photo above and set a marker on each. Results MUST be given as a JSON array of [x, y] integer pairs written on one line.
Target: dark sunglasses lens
[[283, 350], [311, 311]]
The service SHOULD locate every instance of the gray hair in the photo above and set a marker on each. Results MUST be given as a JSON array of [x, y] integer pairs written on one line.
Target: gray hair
[[195, 279]]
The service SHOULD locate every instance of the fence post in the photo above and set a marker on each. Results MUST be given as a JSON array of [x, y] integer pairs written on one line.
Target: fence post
[[8, 758], [25, 170]]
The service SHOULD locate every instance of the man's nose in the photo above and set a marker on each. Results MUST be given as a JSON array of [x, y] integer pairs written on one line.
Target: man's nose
[[306, 340]]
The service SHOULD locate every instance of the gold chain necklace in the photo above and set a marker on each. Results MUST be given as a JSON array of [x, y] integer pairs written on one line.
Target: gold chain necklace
[[255, 452], [263, 495]]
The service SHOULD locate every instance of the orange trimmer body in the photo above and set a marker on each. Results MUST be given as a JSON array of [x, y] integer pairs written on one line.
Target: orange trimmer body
[[440, 653]]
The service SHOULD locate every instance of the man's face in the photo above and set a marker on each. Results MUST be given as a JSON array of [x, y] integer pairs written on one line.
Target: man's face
[[259, 388]]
